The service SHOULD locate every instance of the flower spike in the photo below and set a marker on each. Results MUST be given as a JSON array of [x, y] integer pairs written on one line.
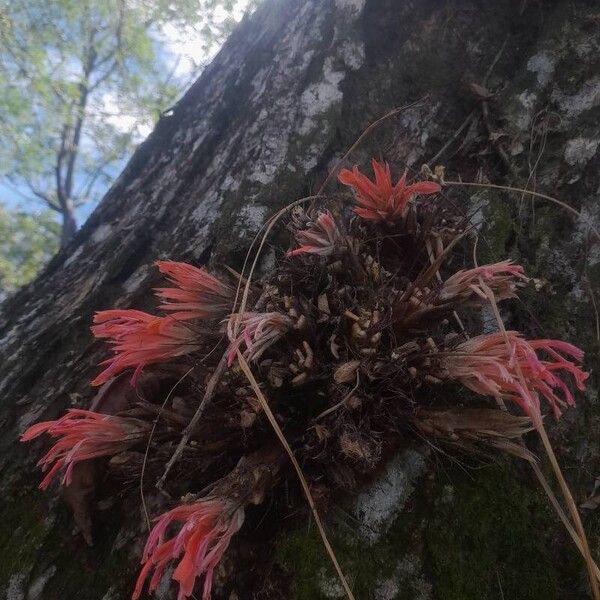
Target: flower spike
[[197, 294], [485, 365], [503, 278], [82, 435], [322, 238], [258, 332], [207, 527], [138, 339], [379, 200]]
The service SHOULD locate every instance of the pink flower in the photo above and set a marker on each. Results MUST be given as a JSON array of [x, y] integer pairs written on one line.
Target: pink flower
[[82, 435], [197, 295], [485, 365], [379, 200], [258, 332], [139, 339], [206, 529], [502, 278], [323, 237]]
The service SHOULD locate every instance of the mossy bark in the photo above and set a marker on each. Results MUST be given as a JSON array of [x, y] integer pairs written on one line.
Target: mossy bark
[[288, 94]]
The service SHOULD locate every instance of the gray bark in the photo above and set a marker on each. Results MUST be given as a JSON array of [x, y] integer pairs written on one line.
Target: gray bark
[[290, 91]]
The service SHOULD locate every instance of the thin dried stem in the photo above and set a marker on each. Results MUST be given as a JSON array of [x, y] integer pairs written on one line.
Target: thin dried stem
[[265, 406], [268, 226], [561, 514], [341, 403], [145, 461], [508, 188], [364, 134], [553, 500], [211, 386], [564, 487], [595, 305], [566, 492]]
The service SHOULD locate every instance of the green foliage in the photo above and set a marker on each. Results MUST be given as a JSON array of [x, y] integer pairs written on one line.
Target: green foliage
[[81, 83], [27, 241], [69, 65]]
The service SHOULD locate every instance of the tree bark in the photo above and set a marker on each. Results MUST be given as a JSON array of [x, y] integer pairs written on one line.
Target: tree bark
[[290, 91]]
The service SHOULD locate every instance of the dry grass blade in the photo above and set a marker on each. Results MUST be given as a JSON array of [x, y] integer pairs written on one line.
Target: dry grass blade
[[572, 507], [595, 305], [265, 406], [561, 514], [341, 403], [268, 226], [564, 487]]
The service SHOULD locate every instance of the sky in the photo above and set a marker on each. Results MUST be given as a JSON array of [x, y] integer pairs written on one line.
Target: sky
[[185, 55]]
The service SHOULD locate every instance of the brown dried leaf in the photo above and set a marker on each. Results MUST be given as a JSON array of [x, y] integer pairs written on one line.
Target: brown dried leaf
[[345, 373], [323, 304], [516, 148], [481, 92], [125, 458], [469, 427], [322, 432], [247, 419], [78, 496], [334, 347], [496, 135], [117, 394]]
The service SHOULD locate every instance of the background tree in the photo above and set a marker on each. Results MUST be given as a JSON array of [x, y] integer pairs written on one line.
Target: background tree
[[26, 241], [81, 83]]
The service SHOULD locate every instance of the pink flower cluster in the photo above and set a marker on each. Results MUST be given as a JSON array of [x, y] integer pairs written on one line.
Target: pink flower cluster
[[379, 200], [258, 332], [515, 372], [82, 435], [138, 339], [322, 238], [502, 278], [196, 295], [206, 528]]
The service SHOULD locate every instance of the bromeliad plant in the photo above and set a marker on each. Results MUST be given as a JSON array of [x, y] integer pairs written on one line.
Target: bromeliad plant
[[354, 339]]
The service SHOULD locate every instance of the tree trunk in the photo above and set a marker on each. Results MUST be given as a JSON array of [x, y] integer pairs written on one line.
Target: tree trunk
[[69, 223], [288, 94]]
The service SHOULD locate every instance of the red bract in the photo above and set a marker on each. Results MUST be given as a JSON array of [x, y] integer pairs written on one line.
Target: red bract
[[82, 435], [323, 237], [502, 278], [206, 529], [258, 332], [138, 339], [197, 295], [380, 200], [486, 365]]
